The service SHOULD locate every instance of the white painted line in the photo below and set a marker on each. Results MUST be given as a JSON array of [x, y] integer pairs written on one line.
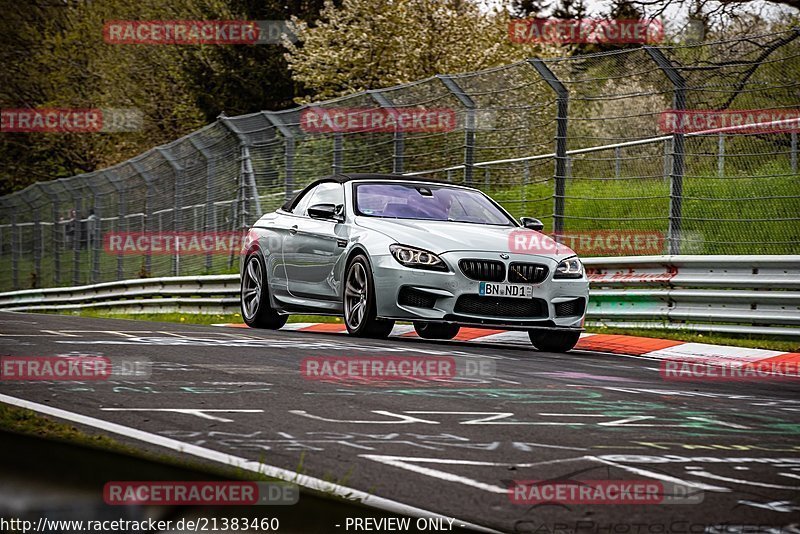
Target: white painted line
[[57, 333], [202, 413], [305, 481], [121, 334], [173, 334], [410, 464]]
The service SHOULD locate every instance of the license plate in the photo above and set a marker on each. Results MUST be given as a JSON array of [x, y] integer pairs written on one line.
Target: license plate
[[488, 289]]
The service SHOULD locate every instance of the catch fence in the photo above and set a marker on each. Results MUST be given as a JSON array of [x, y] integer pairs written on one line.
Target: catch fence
[[602, 147]]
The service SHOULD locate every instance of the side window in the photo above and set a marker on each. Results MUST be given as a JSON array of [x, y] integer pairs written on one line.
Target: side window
[[326, 193], [300, 207]]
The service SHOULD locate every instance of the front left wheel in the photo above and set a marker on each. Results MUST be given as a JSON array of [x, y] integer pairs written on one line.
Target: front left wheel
[[554, 341], [428, 330], [360, 314], [254, 296]]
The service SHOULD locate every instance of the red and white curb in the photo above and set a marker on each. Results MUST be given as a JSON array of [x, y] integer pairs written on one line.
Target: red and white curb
[[646, 347]]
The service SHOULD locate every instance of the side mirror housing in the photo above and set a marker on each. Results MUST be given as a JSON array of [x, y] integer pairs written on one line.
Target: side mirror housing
[[325, 211], [532, 223]]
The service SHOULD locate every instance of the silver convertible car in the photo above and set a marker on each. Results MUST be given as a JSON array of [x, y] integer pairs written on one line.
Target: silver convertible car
[[377, 249]]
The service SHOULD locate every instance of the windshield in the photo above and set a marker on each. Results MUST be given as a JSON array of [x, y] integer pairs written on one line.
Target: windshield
[[427, 202]]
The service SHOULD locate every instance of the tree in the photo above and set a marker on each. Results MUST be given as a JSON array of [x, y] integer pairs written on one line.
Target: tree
[[570, 9], [369, 44], [527, 8], [54, 55]]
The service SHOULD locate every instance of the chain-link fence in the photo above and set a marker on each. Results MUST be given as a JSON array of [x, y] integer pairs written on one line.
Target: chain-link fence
[[597, 145]]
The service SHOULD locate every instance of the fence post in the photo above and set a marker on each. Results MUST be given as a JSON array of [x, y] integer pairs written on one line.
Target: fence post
[[208, 220], [177, 217], [37, 247], [56, 244], [399, 135], [288, 137], [56, 237], [617, 162], [676, 174], [469, 125], [721, 155], [114, 180], [149, 199], [247, 179], [94, 222], [667, 160], [794, 153], [561, 158], [34, 238], [14, 251], [76, 243]]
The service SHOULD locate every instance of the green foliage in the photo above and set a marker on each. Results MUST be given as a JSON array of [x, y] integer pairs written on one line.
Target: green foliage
[[370, 44], [54, 55]]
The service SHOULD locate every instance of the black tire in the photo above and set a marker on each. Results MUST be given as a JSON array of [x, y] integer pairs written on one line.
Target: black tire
[[554, 341], [358, 302], [428, 330], [254, 296]]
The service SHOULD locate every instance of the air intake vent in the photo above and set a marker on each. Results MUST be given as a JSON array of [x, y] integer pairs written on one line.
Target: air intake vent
[[483, 270], [571, 308], [500, 306], [527, 273], [413, 297]]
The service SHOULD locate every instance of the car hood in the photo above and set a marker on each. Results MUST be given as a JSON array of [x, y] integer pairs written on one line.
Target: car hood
[[443, 236]]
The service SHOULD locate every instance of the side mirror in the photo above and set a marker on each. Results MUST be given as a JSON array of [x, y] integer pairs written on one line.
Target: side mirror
[[532, 223], [325, 211]]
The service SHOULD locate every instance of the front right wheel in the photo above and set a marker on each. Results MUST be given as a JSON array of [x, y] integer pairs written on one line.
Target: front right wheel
[[553, 341], [360, 315]]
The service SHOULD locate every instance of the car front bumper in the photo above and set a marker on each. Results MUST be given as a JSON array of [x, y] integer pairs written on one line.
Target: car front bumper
[[404, 293]]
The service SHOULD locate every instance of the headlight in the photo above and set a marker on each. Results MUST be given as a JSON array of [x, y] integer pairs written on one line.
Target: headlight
[[417, 258], [569, 268]]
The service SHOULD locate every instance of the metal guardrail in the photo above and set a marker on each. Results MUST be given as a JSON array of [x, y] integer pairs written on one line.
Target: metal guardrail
[[727, 294]]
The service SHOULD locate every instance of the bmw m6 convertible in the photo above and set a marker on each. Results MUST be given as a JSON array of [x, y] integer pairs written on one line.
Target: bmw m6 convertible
[[376, 249]]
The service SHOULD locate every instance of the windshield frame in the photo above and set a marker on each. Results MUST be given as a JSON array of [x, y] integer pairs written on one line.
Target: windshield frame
[[512, 222]]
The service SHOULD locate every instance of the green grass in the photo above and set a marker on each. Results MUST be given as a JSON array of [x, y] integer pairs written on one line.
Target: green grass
[[189, 318], [29, 423], [711, 207], [748, 341], [741, 340]]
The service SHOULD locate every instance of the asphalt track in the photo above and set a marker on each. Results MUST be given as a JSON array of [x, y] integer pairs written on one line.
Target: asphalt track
[[449, 448]]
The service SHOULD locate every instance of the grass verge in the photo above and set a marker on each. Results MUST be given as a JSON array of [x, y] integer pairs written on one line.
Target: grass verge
[[29, 423]]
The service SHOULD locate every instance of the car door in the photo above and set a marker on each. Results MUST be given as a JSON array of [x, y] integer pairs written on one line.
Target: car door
[[279, 229], [313, 247]]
